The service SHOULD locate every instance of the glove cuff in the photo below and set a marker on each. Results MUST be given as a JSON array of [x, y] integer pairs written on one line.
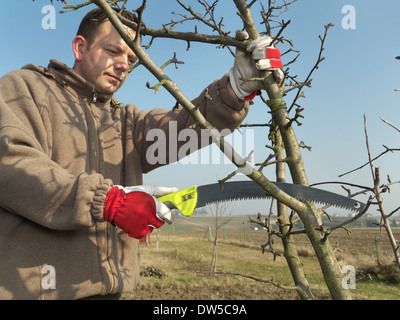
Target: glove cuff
[[114, 197], [251, 97], [240, 93]]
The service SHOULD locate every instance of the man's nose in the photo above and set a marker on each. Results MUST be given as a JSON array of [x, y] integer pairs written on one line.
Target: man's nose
[[122, 63]]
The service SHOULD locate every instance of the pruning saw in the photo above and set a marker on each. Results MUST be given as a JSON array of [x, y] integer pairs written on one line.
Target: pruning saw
[[187, 200]]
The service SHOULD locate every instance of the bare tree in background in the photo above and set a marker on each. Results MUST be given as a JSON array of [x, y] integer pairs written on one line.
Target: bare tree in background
[[379, 188], [221, 216]]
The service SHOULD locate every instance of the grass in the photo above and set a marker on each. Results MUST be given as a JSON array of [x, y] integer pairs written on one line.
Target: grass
[[185, 257], [187, 262]]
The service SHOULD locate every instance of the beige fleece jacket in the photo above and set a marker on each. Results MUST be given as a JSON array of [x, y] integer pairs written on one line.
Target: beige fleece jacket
[[62, 146]]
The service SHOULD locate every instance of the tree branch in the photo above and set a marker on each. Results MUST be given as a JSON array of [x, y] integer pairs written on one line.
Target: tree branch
[[174, 90], [252, 278]]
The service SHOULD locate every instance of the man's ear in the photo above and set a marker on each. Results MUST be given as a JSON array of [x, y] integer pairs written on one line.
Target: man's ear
[[78, 46]]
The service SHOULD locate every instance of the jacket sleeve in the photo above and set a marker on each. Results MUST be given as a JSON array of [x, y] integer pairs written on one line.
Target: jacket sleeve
[[32, 185], [216, 104]]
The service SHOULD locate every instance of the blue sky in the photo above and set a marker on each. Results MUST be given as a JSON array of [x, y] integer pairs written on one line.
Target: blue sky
[[358, 77]]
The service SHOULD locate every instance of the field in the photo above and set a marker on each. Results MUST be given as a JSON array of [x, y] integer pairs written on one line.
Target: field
[[176, 263]]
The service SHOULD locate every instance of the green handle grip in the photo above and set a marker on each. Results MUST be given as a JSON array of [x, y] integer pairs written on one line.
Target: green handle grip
[[184, 200]]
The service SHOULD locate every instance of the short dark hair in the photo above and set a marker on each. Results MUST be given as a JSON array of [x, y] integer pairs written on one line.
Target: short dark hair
[[94, 18]]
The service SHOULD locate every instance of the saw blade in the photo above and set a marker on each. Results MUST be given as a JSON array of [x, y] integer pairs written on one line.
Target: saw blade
[[244, 190]]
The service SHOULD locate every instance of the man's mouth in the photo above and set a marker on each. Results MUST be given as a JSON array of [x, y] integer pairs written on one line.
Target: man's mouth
[[115, 78]]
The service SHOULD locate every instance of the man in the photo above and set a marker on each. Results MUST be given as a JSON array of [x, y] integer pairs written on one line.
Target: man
[[71, 162]]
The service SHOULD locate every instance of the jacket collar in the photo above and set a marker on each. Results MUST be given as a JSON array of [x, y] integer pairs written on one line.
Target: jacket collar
[[69, 78], [76, 81]]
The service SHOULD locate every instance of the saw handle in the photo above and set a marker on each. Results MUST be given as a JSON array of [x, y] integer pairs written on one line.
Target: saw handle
[[184, 200]]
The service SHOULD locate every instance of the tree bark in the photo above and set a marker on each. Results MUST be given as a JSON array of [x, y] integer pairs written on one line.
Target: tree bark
[[310, 217], [290, 250]]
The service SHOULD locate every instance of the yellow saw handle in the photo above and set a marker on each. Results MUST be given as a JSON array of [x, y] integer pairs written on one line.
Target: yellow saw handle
[[184, 200]]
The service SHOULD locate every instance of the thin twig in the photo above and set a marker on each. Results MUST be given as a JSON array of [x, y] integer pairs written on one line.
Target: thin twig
[[316, 66], [367, 163], [252, 278], [392, 125]]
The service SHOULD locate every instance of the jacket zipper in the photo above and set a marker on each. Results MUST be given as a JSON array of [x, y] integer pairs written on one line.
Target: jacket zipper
[[96, 126], [107, 226]]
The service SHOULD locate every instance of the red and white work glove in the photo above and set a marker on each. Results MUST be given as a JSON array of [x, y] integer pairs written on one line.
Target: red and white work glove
[[259, 56], [136, 210]]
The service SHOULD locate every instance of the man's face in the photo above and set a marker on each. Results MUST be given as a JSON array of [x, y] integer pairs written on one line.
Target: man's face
[[105, 61]]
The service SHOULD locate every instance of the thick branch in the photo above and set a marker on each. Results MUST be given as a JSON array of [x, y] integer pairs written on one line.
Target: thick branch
[[174, 90], [186, 36], [309, 217]]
